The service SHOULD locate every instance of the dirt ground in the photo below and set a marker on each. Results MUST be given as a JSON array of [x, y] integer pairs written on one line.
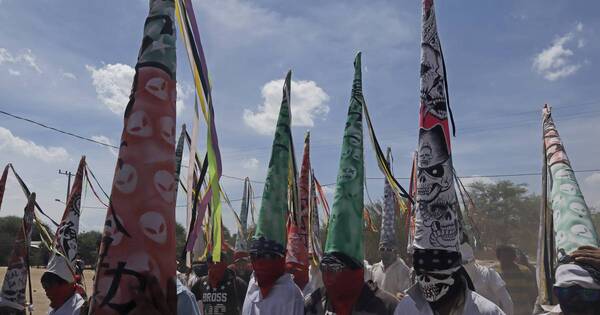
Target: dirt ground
[[40, 301]]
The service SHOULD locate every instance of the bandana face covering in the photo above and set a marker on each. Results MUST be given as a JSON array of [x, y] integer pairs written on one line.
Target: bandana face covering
[[267, 271], [299, 272], [216, 272], [434, 285], [343, 288]]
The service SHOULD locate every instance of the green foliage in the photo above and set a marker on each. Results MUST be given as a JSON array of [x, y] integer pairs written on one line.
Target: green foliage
[[506, 213], [88, 243], [9, 228]]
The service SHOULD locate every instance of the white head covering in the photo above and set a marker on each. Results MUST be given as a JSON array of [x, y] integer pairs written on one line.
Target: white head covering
[[466, 251], [568, 275], [59, 266]]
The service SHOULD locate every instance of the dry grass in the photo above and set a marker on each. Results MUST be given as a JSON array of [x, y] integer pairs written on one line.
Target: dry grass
[[40, 301]]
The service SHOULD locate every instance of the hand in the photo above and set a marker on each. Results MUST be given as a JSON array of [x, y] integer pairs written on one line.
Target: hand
[[152, 301], [400, 295], [589, 255]]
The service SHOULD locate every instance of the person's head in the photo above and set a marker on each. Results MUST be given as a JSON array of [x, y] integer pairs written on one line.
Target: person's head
[[343, 278], [506, 254], [58, 290], [439, 273], [388, 255], [216, 271], [268, 261], [577, 292], [200, 268]]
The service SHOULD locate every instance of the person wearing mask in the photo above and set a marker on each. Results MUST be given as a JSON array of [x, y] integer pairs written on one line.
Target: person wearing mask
[[486, 281], [221, 291], [345, 290], [520, 282], [271, 290], [577, 276], [59, 284], [391, 273], [442, 285]]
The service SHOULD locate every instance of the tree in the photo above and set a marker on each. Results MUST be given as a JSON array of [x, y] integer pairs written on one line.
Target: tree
[[88, 244], [506, 213], [9, 227]]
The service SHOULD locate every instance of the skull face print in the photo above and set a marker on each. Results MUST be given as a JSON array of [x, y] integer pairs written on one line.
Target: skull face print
[[434, 286], [433, 93]]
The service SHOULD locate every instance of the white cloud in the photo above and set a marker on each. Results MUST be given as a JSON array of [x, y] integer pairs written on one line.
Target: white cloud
[[250, 164], [12, 143], [26, 58], [14, 72], [557, 61], [113, 85], [590, 188], [104, 139], [308, 101], [468, 181], [69, 75]]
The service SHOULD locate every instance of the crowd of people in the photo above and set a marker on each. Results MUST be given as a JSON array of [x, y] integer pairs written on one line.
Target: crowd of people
[[280, 268]]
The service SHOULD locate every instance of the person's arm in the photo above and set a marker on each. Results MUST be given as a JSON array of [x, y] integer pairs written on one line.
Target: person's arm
[[589, 255], [498, 287]]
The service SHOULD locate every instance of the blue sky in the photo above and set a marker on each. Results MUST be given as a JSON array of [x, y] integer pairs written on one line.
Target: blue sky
[[69, 64]]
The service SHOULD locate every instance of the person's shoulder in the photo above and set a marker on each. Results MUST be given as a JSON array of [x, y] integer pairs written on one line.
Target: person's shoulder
[[406, 306], [312, 302], [483, 305]]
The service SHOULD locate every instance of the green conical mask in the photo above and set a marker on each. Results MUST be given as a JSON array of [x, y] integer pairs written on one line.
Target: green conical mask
[[271, 231], [344, 234]]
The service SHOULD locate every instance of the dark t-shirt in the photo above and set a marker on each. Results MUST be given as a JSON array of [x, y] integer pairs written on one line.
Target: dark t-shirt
[[225, 299], [372, 300]]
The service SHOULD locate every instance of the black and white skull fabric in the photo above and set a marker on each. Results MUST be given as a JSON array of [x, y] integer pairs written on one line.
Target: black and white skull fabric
[[66, 234], [388, 239], [436, 224], [435, 285], [15, 279]]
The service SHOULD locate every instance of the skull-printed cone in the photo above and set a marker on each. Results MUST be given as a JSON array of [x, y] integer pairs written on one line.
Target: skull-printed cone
[[436, 220], [65, 240], [241, 240], [344, 233], [387, 238], [270, 233], [139, 231], [15, 279], [572, 220]]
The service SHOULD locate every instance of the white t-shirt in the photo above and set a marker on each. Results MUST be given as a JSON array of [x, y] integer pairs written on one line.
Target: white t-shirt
[[315, 280], [489, 284], [284, 298], [71, 307], [415, 304], [394, 279]]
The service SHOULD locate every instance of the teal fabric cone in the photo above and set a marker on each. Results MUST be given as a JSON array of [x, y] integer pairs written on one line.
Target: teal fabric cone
[[573, 225], [271, 233], [344, 234]]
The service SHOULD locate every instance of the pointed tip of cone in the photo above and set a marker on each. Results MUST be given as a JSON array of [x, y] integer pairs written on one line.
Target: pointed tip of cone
[[288, 76], [357, 60]]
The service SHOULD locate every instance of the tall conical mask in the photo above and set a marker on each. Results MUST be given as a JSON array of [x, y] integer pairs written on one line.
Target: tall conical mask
[[241, 243], [65, 240], [270, 233], [14, 285], [388, 239], [344, 233], [436, 215], [139, 231], [572, 220]]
